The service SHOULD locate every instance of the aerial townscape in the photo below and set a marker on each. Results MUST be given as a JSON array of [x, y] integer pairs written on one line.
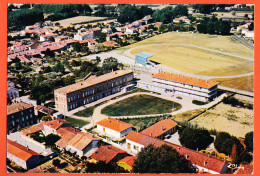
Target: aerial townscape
[[130, 88]]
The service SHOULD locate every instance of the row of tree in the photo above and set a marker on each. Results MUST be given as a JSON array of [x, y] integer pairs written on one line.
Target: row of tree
[[214, 25]]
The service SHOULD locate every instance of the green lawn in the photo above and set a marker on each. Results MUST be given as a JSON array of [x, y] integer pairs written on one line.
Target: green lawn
[[88, 111], [76, 122], [141, 122], [140, 105]]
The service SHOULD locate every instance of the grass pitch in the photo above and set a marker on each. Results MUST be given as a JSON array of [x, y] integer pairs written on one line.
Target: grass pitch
[[197, 61], [140, 105]]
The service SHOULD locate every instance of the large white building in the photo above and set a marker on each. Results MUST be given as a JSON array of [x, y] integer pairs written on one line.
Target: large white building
[[164, 82]]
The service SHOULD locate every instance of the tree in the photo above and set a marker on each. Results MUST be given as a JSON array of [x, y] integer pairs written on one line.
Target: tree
[[51, 39], [249, 139], [128, 13], [46, 118], [110, 64], [76, 46], [68, 80], [51, 139], [181, 10], [163, 159], [59, 67], [84, 49], [204, 8], [49, 53], [224, 143], [195, 138]]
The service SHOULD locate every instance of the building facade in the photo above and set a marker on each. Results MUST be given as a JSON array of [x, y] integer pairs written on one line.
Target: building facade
[[91, 89], [20, 115], [114, 128], [164, 82]]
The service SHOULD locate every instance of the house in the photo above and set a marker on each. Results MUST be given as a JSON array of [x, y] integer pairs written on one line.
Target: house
[[130, 31], [12, 92], [91, 89], [33, 129], [47, 36], [66, 133], [82, 143], [43, 111], [161, 129], [83, 35], [20, 115], [175, 84], [127, 163], [110, 44], [136, 141], [51, 127], [109, 154], [114, 128], [177, 20], [21, 156], [143, 58], [107, 30], [61, 38]]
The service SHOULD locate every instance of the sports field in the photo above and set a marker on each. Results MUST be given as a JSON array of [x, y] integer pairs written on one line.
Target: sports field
[[198, 61], [79, 19], [227, 44]]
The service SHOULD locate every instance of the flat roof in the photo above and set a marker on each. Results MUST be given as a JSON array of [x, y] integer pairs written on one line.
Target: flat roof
[[144, 54]]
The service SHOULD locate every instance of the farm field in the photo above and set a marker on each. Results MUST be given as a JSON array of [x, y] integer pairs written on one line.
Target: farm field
[[223, 117], [140, 105], [242, 83], [78, 19], [197, 61], [227, 44]]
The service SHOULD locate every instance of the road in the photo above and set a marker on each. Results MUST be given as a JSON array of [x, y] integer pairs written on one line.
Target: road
[[244, 42]]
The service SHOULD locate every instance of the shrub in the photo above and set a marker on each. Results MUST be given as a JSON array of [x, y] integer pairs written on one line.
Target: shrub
[[249, 141]]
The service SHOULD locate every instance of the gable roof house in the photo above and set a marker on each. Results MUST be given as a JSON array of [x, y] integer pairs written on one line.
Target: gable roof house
[[21, 155], [161, 129], [54, 125], [66, 133], [127, 163], [114, 128], [136, 141], [108, 154], [82, 143]]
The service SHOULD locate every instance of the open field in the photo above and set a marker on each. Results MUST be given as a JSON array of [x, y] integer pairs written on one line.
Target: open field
[[242, 83], [188, 115], [197, 61], [78, 19], [223, 117], [227, 44], [229, 14], [140, 105]]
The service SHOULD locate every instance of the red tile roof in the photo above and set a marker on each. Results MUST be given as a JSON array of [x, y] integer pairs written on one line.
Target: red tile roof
[[33, 129], [106, 153], [19, 150], [67, 134], [89, 83], [55, 124], [18, 107], [195, 157], [245, 169], [82, 140], [129, 160], [160, 128], [114, 124], [185, 79]]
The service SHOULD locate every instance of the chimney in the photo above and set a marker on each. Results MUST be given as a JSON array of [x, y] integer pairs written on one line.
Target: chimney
[[151, 134], [162, 128]]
